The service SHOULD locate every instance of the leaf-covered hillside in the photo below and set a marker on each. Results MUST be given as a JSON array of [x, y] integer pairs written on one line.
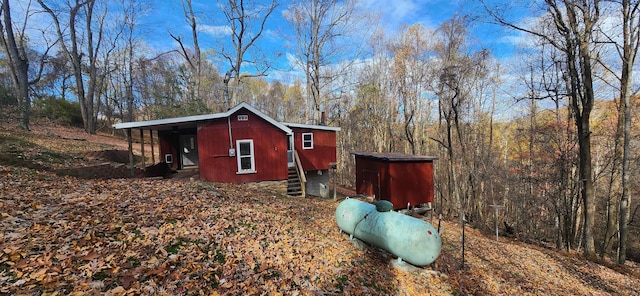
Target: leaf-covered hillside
[[62, 235]]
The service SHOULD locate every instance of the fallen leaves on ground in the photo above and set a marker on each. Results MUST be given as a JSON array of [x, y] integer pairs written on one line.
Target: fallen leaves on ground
[[65, 236], [68, 236], [510, 267]]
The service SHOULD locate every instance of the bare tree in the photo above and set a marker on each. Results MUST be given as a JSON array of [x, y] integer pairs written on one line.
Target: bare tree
[[627, 52], [556, 138], [293, 103], [410, 71], [131, 10], [246, 21], [375, 110], [571, 28], [383, 103], [320, 27], [194, 59], [16, 48], [72, 47], [457, 74]]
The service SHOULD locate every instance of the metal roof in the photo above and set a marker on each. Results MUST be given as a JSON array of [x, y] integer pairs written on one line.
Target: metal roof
[[191, 121], [312, 126], [395, 156]]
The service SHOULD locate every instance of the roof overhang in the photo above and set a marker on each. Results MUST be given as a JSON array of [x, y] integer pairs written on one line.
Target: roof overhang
[[192, 121], [168, 123], [312, 126], [399, 157]]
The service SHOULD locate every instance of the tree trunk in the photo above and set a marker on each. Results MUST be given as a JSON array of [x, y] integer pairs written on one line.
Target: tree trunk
[[74, 54], [577, 30], [587, 189], [18, 63], [631, 35], [625, 199]]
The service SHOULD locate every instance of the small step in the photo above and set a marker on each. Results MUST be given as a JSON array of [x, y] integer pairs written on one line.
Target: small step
[[294, 193]]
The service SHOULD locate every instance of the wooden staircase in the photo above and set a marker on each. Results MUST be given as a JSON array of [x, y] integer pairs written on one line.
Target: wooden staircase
[[294, 186], [296, 180]]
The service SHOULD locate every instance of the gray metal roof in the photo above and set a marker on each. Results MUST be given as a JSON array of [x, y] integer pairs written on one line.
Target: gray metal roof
[[191, 121], [395, 156], [312, 126]]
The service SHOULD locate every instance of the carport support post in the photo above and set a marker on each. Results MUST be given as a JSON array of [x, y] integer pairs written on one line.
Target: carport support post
[[153, 153], [335, 179], [130, 142], [142, 147], [333, 168]]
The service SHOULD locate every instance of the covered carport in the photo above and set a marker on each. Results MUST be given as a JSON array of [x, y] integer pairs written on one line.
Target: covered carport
[[181, 128]]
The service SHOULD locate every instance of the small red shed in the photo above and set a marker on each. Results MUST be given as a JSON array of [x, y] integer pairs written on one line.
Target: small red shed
[[245, 145], [403, 179]]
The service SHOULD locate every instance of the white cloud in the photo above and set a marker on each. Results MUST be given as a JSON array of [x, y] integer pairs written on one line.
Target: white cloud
[[216, 31], [395, 11]]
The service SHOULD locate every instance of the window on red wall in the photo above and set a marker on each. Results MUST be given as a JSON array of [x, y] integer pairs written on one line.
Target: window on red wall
[[246, 157], [307, 141]]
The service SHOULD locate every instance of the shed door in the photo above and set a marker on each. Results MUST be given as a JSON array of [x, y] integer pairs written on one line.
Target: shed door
[[371, 183], [189, 151]]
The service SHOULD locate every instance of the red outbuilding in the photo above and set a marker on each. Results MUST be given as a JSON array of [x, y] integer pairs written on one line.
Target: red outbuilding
[[404, 180], [245, 145]]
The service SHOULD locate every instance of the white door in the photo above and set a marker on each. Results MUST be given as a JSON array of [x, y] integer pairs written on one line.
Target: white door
[[290, 161], [189, 151]]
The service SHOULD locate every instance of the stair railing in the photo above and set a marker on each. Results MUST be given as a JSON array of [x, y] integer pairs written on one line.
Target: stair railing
[[300, 172]]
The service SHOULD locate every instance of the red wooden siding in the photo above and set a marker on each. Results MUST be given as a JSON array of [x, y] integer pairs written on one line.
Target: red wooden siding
[[168, 145], [370, 174], [323, 152], [398, 179], [410, 182], [269, 144]]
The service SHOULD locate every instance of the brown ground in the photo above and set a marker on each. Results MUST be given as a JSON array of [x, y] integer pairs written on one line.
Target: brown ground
[[63, 235]]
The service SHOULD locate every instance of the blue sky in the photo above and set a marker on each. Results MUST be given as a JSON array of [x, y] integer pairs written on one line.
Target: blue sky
[[164, 17]]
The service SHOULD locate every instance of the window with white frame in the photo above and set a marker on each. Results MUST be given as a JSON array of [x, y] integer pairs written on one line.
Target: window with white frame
[[307, 141], [245, 156]]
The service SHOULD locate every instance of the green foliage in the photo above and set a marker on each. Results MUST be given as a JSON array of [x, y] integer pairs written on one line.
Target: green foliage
[[60, 110]]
